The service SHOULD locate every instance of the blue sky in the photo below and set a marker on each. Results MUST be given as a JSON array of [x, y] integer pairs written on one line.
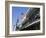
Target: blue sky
[[16, 12]]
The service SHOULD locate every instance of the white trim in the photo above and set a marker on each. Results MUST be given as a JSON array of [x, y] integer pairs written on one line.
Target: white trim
[[24, 32]]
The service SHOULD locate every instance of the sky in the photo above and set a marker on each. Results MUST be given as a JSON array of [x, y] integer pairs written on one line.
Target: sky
[[16, 13]]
